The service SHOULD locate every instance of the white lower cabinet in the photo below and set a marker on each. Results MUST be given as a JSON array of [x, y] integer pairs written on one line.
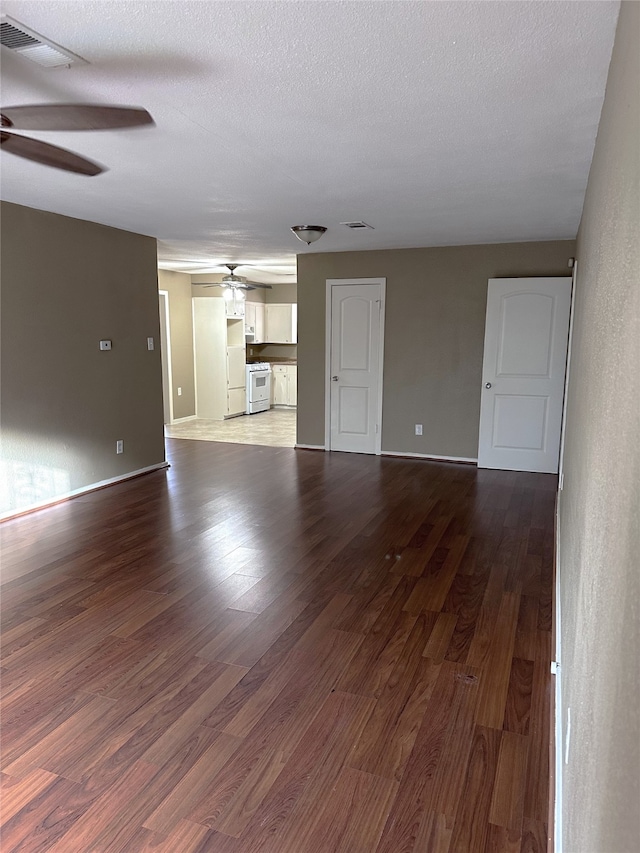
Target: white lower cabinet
[[236, 382], [285, 384], [237, 401]]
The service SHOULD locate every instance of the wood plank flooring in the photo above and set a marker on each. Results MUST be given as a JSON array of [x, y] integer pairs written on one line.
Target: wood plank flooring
[[264, 650]]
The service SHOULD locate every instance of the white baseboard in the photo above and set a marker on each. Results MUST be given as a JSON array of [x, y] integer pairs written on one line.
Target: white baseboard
[[182, 420], [14, 513], [431, 456]]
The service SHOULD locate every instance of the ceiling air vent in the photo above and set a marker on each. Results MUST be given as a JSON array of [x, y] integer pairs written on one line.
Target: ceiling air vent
[[31, 45], [357, 224]]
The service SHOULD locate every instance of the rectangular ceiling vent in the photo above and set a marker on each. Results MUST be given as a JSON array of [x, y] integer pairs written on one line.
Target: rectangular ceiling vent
[[31, 45], [357, 224]]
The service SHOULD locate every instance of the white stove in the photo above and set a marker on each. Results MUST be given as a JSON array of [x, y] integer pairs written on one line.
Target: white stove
[[258, 387]]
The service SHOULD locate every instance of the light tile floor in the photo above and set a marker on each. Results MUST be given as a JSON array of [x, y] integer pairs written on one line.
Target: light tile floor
[[275, 428]]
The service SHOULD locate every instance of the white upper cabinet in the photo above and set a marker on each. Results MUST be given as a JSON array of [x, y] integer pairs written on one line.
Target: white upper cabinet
[[259, 336], [281, 323], [234, 307], [254, 321]]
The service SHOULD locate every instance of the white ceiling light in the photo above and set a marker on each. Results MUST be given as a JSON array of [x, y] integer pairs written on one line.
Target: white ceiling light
[[308, 233], [232, 279]]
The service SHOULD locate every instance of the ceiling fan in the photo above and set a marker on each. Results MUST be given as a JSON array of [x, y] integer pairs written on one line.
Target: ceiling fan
[[235, 282], [63, 117]]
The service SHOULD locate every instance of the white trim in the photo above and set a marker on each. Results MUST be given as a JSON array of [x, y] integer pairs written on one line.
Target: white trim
[[327, 366], [193, 354], [167, 354], [330, 282], [83, 490], [432, 456], [309, 447], [559, 730], [557, 799], [563, 424], [182, 420]]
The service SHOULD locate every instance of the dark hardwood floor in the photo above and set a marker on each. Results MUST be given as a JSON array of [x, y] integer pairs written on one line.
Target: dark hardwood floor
[[264, 650]]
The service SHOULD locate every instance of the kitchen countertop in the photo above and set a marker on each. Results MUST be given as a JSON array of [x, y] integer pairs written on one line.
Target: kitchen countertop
[[271, 360]]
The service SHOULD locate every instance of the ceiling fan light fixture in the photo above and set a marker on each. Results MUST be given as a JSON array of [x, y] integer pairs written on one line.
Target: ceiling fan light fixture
[[232, 279], [308, 233]]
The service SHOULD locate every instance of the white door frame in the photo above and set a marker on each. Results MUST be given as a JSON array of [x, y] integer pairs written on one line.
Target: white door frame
[[565, 398], [557, 652], [330, 282], [165, 346]]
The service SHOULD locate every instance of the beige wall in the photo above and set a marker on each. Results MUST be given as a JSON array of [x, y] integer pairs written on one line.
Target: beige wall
[[178, 285], [434, 336], [282, 293], [67, 284], [599, 562]]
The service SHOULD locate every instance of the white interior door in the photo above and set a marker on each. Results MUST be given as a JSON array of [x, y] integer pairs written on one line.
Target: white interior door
[[355, 347], [525, 354]]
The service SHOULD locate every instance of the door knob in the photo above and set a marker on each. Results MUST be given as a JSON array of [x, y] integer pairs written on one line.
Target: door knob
[[334, 378], [488, 385]]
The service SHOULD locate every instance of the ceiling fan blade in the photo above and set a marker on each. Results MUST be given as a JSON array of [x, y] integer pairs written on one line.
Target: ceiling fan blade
[[48, 155], [255, 284], [73, 117]]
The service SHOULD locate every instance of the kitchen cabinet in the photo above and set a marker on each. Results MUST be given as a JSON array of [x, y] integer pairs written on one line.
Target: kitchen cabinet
[[281, 323], [236, 381], [234, 307], [254, 321], [285, 384], [219, 357]]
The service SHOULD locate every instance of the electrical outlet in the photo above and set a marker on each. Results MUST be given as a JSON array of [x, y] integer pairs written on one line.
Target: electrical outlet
[[120, 446], [418, 429], [179, 391]]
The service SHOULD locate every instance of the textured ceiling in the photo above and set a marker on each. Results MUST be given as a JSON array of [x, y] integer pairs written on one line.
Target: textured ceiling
[[438, 123]]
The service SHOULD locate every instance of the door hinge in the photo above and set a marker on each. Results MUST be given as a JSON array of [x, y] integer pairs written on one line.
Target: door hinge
[[377, 429]]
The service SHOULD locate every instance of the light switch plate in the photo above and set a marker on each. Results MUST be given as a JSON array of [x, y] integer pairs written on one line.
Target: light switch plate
[[150, 344], [105, 345]]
